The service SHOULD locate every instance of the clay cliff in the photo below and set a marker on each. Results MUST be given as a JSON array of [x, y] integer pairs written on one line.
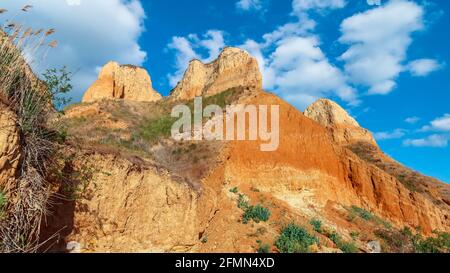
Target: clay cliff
[[122, 82], [10, 152], [233, 68]]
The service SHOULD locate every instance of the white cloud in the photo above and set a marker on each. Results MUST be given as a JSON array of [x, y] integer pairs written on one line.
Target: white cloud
[[247, 5], [300, 68], [412, 120], [396, 134], [423, 67], [379, 39], [434, 141], [440, 124], [300, 6], [187, 48], [89, 33]]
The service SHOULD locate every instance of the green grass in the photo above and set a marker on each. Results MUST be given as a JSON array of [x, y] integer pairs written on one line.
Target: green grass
[[256, 213], [154, 130], [3, 201], [295, 239]]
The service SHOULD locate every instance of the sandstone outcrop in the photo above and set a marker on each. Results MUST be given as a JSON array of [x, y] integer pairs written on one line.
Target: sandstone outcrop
[[122, 82], [343, 128], [10, 152], [233, 68]]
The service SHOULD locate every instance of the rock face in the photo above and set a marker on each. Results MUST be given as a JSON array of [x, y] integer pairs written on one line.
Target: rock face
[[233, 68], [9, 145], [122, 82], [343, 128]]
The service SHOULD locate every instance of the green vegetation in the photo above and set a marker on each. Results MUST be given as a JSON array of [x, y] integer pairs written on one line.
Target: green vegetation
[[295, 239], [3, 202], [355, 211], [354, 235], [204, 240], [242, 202], [263, 248], [154, 130], [317, 225], [405, 241], [58, 83], [346, 247], [256, 213]]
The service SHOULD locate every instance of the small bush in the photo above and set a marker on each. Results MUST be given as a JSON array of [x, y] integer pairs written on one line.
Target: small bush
[[204, 240], [317, 225], [256, 213], [438, 244], [295, 239], [346, 247], [234, 190], [263, 248]]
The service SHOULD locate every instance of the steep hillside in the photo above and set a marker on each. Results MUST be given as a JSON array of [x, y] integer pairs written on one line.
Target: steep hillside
[[144, 192]]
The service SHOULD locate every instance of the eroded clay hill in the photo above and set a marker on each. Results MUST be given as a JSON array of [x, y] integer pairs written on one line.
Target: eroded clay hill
[[233, 68], [148, 193], [122, 82]]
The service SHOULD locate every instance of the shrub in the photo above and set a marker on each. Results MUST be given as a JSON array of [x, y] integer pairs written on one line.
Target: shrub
[[346, 247], [295, 239], [234, 190], [256, 213], [317, 225], [438, 244], [263, 248], [31, 99]]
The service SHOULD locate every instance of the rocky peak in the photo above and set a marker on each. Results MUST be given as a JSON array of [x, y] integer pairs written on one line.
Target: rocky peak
[[343, 128], [233, 68], [126, 82]]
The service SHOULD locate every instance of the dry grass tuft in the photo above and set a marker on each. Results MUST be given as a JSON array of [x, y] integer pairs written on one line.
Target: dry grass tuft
[[27, 96]]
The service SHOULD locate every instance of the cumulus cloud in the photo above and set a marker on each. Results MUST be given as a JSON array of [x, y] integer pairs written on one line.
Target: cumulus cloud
[[190, 47], [248, 5], [89, 34], [396, 134], [439, 124], [292, 62], [378, 40], [433, 141], [423, 67], [301, 6], [299, 67], [412, 120]]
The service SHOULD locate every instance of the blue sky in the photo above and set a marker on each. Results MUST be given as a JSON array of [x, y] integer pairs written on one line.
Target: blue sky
[[387, 64]]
